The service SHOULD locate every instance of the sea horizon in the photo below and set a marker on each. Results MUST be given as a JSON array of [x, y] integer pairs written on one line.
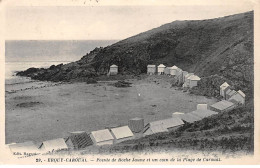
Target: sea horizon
[[23, 54]]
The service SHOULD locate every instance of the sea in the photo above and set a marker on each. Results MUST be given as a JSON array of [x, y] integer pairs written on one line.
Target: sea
[[23, 54]]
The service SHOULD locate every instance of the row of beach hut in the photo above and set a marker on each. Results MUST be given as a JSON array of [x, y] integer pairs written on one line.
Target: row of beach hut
[[188, 80]]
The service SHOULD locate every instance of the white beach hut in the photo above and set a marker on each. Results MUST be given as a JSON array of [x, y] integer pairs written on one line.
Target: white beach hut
[[113, 70], [121, 134], [173, 70], [161, 68], [102, 137], [53, 145], [239, 97], [202, 106], [193, 80], [223, 89]]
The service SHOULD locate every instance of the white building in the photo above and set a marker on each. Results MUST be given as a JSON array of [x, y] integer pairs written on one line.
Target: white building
[[53, 145], [239, 98], [121, 134], [162, 126], [113, 70], [193, 81], [161, 68], [202, 106], [102, 137], [223, 89], [173, 70]]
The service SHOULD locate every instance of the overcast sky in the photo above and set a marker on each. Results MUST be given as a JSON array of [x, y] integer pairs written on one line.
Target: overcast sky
[[101, 22]]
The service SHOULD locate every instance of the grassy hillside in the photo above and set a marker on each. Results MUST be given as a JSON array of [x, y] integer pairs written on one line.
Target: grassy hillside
[[221, 46]]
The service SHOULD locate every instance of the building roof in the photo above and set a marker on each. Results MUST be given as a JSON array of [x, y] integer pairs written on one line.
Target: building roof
[[188, 75], [158, 128], [174, 67], [203, 113], [54, 144], [194, 77], [189, 117], [114, 66], [168, 123], [222, 105], [241, 93], [122, 132], [136, 118], [151, 66], [102, 135], [231, 93], [202, 106], [23, 147], [178, 113], [161, 66], [224, 85], [80, 140]]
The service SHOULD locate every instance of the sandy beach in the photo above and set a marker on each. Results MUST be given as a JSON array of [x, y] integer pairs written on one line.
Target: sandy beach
[[38, 111]]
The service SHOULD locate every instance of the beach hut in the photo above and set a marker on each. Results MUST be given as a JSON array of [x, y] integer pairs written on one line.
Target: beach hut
[[239, 98], [203, 113], [222, 106], [173, 70], [151, 69], [187, 82], [184, 73], [79, 140], [121, 134], [28, 147], [113, 70], [136, 124], [162, 126], [223, 89], [53, 145], [102, 137], [193, 81], [167, 71], [202, 106], [186, 117], [229, 94], [161, 68]]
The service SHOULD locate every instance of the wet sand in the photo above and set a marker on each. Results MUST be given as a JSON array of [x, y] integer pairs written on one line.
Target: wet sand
[[48, 110]]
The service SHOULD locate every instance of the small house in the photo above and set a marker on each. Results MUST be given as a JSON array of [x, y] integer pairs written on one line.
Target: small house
[[173, 70], [186, 117], [161, 68], [79, 140], [187, 82], [102, 137], [222, 106], [136, 124], [229, 94], [23, 147], [121, 134], [113, 70], [151, 69], [167, 71], [202, 106], [203, 113], [193, 81], [162, 126], [223, 88], [239, 98], [53, 145]]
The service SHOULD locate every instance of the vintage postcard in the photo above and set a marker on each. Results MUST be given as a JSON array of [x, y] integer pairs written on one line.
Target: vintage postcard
[[129, 82]]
